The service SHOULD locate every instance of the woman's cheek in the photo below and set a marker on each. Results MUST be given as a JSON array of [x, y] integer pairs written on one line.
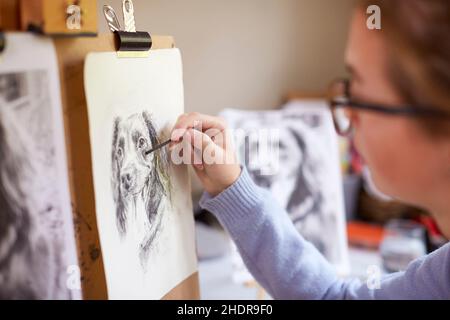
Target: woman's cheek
[[374, 147], [358, 133]]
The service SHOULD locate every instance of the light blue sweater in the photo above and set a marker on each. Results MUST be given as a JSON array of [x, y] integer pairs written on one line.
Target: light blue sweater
[[289, 267]]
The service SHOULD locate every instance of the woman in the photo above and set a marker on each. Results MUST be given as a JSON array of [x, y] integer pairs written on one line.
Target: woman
[[397, 106]]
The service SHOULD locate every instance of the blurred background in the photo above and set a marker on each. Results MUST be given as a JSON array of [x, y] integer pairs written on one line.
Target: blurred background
[[261, 55], [248, 54]]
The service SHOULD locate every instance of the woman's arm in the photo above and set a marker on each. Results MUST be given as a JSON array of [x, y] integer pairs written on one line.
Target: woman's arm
[[286, 265], [280, 259], [289, 267]]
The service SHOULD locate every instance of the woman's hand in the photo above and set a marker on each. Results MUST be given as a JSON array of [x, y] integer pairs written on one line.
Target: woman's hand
[[203, 141]]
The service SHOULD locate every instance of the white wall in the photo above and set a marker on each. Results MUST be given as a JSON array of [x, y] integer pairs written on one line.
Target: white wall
[[248, 53]]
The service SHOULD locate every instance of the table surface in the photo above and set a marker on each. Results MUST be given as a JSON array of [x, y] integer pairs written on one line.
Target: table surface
[[216, 275]]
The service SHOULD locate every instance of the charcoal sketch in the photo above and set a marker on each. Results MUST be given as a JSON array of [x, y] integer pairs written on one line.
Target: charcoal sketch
[[143, 201], [140, 181], [306, 181], [33, 251]]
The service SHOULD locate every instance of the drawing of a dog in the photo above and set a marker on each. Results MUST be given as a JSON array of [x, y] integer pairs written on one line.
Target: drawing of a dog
[[140, 182], [296, 183]]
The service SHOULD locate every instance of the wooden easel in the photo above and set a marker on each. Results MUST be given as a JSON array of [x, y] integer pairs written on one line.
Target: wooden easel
[[71, 53]]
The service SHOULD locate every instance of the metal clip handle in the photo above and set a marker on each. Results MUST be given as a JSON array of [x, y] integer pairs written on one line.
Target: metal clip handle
[[128, 16], [111, 18]]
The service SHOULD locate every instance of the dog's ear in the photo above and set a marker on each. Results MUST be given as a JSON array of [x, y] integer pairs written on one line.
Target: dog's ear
[[160, 159], [304, 187], [151, 128], [159, 156], [115, 181], [115, 169], [160, 183]]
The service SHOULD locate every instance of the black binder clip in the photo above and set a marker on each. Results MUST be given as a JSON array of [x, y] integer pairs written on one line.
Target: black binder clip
[[133, 41], [129, 42]]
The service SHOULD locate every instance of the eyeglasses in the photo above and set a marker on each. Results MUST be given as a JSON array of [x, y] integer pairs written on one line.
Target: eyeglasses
[[341, 104]]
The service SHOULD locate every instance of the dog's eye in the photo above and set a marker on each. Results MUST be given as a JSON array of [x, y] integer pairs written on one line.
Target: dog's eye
[[119, 153], [142, 143]]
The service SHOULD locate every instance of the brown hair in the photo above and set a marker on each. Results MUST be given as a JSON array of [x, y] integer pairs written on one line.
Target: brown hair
[[418, 35]]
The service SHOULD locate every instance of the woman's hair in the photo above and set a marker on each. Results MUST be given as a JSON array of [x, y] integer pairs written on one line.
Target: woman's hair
[[418, 37]]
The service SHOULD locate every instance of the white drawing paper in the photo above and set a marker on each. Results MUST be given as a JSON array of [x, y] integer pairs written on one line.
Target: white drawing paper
[[143, 201], [303, 174], [38, 258]]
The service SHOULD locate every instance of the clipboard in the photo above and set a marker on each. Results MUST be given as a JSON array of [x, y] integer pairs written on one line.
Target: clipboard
[[71, 53]]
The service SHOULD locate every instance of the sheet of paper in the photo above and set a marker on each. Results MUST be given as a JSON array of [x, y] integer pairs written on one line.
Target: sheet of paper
[[143, 201], [303, 173], [38, 258]]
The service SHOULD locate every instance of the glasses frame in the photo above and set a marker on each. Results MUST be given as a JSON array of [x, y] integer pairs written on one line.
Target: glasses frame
[[404, 110]]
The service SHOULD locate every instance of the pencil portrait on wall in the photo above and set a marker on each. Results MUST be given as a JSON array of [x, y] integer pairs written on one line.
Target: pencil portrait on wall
[[37, 243], [303, 174]]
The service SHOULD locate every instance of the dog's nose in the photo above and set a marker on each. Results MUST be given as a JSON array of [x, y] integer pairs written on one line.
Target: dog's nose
[[126, 181]]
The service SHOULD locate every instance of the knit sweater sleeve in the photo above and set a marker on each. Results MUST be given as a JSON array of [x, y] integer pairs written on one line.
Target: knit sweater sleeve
[[289, 267]]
